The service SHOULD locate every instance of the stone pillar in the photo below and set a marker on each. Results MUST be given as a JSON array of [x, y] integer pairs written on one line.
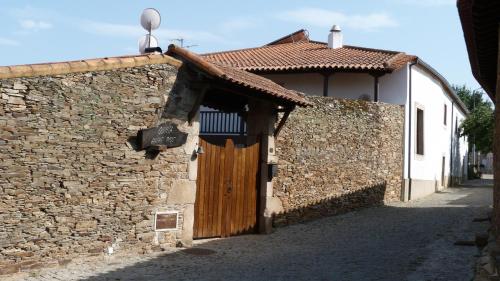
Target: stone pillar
[[261, 121], [189, 188], [182, 192]]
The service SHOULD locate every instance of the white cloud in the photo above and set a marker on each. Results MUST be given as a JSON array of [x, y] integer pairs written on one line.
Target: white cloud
[[35, 25], [238, 24], [30, 12], [136, 31], [326, 18], [8, 42], [427, 3], [33, 19]]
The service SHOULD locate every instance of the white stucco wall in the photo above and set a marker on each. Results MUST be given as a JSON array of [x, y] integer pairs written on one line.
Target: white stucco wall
[[342, 85], [351, 85], [427, 93], [307, 83], [460, 147], [430, 95], [393, 87]]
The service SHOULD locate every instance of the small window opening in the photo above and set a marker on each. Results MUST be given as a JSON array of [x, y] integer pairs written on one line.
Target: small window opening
[[420, 131]]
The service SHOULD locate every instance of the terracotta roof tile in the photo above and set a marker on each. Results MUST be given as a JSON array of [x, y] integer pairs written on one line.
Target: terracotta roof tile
[[310, 55], [240, 77]]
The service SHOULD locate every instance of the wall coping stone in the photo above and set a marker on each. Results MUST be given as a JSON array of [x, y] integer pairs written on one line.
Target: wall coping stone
[[99, 64]]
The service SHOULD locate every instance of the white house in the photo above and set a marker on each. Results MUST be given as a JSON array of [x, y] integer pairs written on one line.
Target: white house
[[434, 154]]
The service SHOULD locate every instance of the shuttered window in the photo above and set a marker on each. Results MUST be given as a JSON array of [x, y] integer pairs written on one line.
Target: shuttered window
[[420, 131], [445, 113]]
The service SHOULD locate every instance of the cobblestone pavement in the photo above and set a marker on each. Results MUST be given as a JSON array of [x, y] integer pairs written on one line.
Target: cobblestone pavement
[[401, 241]]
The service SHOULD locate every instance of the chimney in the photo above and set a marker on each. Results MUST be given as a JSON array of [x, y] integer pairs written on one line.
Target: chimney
[[335, 37]]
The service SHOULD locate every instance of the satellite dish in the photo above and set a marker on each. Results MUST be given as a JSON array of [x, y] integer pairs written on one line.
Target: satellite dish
[[150, 19], [147, 41]]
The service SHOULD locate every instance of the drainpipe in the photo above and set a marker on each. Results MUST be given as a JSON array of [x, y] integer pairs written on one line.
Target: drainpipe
[[451, 144], [410, 107]]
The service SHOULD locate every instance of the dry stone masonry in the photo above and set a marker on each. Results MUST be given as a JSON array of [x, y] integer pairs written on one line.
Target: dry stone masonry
[[72, 179], [337, 156]]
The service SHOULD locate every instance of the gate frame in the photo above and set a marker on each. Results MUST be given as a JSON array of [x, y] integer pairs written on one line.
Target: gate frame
[[261, 119]]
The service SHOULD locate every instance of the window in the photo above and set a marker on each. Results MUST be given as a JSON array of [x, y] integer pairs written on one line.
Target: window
[[420, 131], [445, 112], [443, 163]]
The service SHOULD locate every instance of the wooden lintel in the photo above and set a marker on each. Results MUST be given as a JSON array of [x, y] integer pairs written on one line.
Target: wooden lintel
[[376, 76], [326, 78], [196, 105], [283, 121]]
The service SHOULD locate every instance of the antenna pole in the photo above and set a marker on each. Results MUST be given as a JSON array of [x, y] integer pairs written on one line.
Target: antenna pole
[[149, 37]]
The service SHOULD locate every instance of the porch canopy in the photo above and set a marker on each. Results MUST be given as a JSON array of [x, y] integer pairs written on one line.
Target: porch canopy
[[240, 83]]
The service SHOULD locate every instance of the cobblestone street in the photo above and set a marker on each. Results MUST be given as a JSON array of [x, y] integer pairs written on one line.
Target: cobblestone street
[[401, 241]]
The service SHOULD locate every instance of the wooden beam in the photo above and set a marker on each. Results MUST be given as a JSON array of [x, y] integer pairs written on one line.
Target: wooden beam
[[326, 79], [376, 85], [319, 71], [283, 120]]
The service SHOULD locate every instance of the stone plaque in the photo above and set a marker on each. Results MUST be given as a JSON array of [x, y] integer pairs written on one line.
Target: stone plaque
[[164, 135], [166, 221]]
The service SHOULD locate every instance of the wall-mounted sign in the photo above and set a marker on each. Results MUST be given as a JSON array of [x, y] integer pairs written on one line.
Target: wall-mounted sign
[[168, 220], [164, 135]]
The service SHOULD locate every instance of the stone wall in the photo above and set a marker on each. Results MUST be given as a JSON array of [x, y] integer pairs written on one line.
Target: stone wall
[[72, 181], [338, 156]]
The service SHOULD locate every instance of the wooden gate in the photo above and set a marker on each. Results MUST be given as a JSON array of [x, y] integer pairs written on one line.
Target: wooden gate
[[227, 186]]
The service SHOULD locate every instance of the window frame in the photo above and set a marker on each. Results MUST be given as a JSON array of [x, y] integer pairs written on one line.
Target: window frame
[[445, 121], [419, 150]]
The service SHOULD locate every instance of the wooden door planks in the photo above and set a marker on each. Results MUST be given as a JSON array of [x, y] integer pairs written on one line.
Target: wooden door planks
[[226, 198]]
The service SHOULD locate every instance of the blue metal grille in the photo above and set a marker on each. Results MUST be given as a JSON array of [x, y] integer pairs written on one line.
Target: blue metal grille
[[221, 123]]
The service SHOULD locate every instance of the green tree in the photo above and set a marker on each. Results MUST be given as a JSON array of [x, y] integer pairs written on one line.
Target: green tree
[[479, 125]]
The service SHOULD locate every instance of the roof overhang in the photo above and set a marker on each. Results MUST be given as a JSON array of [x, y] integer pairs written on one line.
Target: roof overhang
[[444, 84], [480, 23], [252, 84]]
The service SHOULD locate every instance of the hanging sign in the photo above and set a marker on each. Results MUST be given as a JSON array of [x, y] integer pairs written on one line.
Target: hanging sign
[[165, 135]]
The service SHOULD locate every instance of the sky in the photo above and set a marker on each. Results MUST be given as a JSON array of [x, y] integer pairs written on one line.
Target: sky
[[49, 31]]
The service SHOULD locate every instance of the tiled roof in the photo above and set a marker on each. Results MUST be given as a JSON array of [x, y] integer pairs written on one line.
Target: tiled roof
[[240, 77], [58, 68], [287, 54]]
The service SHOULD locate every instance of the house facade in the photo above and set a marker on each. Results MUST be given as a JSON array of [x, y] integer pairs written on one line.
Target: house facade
[[434, 152]]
